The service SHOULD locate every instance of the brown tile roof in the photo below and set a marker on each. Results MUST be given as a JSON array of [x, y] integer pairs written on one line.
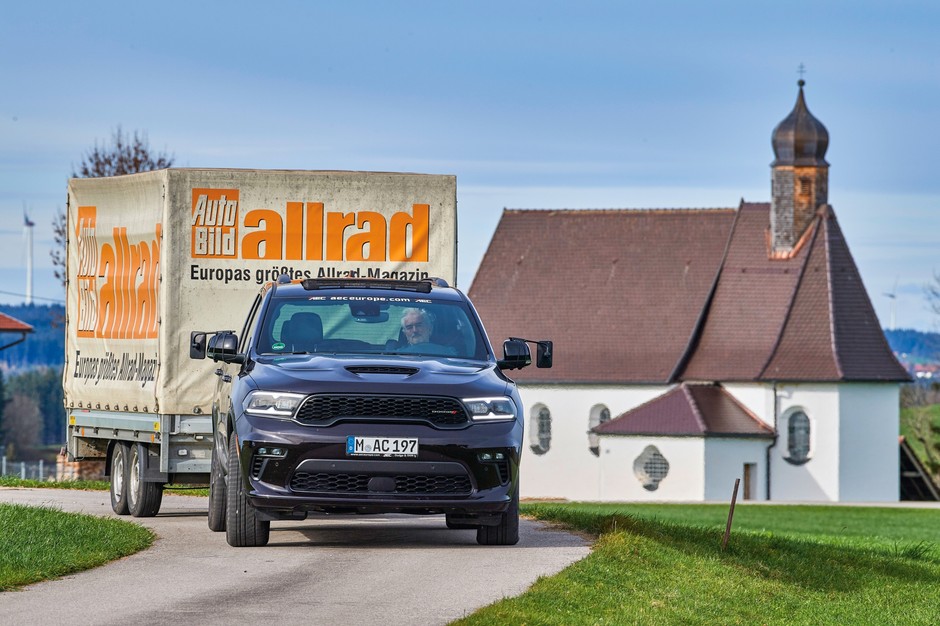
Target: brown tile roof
[[689, 410], [832, 332], [619, 292], [10, 324], [662, 296]]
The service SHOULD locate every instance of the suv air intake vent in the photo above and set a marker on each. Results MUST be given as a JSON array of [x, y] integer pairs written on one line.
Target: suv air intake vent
[[321, 410], [365, 369]]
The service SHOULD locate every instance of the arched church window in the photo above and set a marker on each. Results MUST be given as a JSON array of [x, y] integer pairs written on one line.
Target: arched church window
[[798, 438], [599, 415], [540, 429]]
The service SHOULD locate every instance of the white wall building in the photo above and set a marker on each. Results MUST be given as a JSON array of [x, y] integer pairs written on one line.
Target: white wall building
[[695, 347]]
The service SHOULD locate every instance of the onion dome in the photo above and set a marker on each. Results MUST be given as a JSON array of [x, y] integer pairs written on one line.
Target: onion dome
[[800, 139]]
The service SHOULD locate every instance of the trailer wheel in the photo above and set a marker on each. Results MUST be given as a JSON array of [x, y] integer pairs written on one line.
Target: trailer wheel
[[506, 533], [119, 467], [143, 498], [242, 528], [216, 494]]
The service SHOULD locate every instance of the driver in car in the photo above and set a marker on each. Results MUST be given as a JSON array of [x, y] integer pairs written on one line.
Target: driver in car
[[417, 324]]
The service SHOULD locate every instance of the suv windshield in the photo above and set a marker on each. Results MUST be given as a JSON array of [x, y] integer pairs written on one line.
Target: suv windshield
[[345, 324]]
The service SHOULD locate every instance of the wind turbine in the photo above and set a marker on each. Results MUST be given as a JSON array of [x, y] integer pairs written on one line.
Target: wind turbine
[[28, 233], [894, 302]]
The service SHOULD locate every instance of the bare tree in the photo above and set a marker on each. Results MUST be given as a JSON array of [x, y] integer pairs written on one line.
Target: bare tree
[[21, 420], [932, 292], [126, 154]]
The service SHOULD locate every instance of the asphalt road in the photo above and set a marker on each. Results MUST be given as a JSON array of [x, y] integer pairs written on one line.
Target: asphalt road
[[338, 570]]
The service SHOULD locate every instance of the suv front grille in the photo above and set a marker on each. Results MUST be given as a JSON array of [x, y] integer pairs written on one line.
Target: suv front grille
[[440, 411], [325, 482]]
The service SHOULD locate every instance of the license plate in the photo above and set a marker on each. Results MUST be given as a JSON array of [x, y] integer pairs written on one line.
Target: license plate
[[381, 446]]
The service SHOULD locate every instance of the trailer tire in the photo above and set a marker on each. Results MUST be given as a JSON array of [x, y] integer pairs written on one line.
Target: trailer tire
[[216, 494], [242, 528], [119, 474], [506, 533], [143, 498]]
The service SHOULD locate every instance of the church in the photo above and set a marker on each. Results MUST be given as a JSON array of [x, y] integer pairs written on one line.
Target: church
[[694, 347]]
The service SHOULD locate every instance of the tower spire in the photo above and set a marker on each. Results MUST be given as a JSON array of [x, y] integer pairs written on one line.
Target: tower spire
[[800, 174]]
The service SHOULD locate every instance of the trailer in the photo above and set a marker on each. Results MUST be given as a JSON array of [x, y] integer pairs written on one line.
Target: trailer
[[152, 256]]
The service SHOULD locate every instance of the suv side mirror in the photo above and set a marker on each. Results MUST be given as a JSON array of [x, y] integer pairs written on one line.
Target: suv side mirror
[[516, 355], [197, 344], [223, 347]]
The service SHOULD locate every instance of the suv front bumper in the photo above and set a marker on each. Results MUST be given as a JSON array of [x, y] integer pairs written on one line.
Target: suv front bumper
[[467, 472]]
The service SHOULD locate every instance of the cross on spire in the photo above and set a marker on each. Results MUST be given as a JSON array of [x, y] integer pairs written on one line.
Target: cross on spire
[[801, 70]]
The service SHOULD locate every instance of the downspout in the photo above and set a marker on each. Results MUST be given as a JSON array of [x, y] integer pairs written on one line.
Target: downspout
[[774, 443]]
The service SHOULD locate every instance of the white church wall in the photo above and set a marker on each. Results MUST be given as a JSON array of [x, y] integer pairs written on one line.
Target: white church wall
[[724, 462], [568, 469], [817, 479], [684, 480], [868, 441]]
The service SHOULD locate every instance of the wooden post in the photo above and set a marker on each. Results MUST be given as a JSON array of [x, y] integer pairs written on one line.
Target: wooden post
[[734, 497]]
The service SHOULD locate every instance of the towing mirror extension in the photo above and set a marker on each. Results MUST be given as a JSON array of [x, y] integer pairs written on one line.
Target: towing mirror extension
[[197, 344], [516, 353]]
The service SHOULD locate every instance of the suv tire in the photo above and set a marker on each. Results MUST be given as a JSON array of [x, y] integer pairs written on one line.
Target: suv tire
[[506, 533], [242, 528], [216, 494]]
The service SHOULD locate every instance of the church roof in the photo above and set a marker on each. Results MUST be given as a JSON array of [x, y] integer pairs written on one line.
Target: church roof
[[619, 292], [689, 410], [687, 295], [10, 324]]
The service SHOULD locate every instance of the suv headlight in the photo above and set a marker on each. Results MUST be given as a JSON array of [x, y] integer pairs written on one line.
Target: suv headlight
[[490, 409], [272, 404]]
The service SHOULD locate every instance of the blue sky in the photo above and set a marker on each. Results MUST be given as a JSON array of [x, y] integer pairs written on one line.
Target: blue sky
[[530, 104]]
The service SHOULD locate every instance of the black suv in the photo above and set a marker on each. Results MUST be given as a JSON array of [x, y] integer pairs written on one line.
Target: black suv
[[364, 396]]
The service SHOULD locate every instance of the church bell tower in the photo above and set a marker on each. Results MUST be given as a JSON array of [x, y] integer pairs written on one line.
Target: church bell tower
[[800, 178]]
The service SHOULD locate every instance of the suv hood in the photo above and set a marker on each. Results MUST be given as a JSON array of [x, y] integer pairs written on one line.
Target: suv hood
[[394, 375]]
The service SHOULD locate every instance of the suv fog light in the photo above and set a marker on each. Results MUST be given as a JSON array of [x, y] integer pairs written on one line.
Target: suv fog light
[[277, 453], [490, 457]]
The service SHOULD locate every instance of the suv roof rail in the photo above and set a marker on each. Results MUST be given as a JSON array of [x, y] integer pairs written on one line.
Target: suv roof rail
[[421, 286]]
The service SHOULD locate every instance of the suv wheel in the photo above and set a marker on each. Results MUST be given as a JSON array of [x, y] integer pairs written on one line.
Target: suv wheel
[[242, 528], [506, 533], [216, 494]]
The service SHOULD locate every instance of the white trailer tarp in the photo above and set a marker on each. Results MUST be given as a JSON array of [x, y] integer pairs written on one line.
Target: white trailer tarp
[[156, 255]]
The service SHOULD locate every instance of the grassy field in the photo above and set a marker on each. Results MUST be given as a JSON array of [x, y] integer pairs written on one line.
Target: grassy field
[[39, 543], [663, 564]]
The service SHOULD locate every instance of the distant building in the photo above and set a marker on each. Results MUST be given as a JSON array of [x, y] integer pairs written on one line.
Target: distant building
[[10, 325], [693, 347]]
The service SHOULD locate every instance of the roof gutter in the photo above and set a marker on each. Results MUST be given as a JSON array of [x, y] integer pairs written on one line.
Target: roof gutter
[[20, 340]]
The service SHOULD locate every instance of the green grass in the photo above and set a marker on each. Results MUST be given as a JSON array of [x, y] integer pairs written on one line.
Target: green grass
[[39, 543], [93, 485], [663, 564]]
